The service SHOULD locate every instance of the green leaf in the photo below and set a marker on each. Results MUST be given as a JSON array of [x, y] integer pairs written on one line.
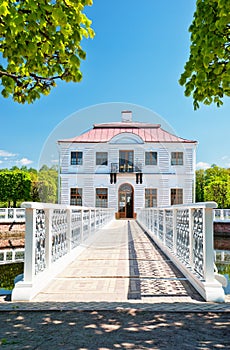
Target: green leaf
[[4, 8], [209, 53], [39, 44]]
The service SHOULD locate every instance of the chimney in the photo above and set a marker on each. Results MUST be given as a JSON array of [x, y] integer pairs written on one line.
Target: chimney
[[126, 116]]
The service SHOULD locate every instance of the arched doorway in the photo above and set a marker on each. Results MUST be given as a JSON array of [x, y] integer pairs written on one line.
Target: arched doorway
[[125, 201]]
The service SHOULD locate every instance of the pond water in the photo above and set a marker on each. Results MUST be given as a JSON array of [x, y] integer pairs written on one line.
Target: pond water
[[222, 254]]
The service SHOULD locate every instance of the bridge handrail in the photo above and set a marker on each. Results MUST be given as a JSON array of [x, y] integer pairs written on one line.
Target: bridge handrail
[[185, 234], [11, 255], [53, 234], [8, 215], [221, 215]]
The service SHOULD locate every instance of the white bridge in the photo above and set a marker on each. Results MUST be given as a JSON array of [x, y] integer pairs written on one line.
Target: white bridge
[[57, 234]]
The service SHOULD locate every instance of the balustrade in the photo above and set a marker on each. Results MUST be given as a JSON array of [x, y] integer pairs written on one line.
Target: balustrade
[[221, 215], [12, 214], [9, 255], [54, 235], [185, 234]]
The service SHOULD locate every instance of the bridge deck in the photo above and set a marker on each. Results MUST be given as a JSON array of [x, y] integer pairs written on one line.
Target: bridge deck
[[121, 264]]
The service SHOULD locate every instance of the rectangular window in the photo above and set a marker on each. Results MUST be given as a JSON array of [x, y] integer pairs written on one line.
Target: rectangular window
[[76, 158], [76, 196], [150, 158], [177, 158], [126, 162], [176, 196], [101, 197], [101, 158], [150, 197]]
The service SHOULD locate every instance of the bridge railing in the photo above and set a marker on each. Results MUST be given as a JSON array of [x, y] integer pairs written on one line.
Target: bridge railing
[[12, 215], [221, 215], [10, 255], [185, 234], [55, 235]]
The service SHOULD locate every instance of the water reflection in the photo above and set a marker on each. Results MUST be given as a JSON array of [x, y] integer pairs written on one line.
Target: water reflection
[[222, 242]]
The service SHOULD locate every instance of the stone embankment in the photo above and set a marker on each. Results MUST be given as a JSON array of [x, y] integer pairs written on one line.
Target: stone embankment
[[222, 228], [12, 235]]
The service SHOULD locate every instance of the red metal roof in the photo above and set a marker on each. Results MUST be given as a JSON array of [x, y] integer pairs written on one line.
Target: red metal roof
[[147, 132]]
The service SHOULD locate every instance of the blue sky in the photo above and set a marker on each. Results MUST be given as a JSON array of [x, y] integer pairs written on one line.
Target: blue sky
[[136, 58]]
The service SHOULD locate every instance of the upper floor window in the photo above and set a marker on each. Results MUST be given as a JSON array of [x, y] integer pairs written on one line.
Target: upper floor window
[[102, 197], [76, 196], [76, 158], [101, 158], [150, 197], [176, 196], [126, 161], [150, 158], [177, 158]]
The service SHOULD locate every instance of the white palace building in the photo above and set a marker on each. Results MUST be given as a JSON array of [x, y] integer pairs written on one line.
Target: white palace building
[[127, 165]]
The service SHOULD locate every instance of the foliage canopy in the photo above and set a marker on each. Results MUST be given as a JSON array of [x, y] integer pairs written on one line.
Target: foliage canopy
[[18, 185], [206, 74], [14, 186], [40, 42], [213, 184]]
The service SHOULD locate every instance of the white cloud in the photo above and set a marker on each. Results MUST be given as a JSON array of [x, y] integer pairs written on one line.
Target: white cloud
[[225, 161], [24, 161], [203, 165], [6, 153]]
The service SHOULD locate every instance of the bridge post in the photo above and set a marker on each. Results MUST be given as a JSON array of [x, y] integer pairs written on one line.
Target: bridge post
[[29, 262], [22, 292]]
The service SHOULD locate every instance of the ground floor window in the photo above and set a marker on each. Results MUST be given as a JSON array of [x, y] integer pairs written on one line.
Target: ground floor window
[[102, 197], [176, 196], [76, 196], [150, 197]]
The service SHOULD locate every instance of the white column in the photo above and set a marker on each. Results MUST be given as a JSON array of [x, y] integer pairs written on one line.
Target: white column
[[29, 262]]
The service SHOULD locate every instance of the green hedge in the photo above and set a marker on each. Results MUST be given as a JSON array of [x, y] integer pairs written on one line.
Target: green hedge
[[8, 273]]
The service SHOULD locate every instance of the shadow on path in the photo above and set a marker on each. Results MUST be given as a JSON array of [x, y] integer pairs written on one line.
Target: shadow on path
[[118, 329]]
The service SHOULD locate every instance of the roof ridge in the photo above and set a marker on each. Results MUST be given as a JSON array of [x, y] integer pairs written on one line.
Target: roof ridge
[[126, 125]]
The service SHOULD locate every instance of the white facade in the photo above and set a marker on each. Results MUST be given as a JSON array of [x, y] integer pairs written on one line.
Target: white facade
[[155, 167]]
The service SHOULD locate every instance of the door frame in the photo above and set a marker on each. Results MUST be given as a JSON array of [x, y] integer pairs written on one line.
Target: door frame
[[125, 190]]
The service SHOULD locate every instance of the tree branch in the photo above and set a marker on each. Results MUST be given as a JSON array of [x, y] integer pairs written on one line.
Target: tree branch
[[36, 77]]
